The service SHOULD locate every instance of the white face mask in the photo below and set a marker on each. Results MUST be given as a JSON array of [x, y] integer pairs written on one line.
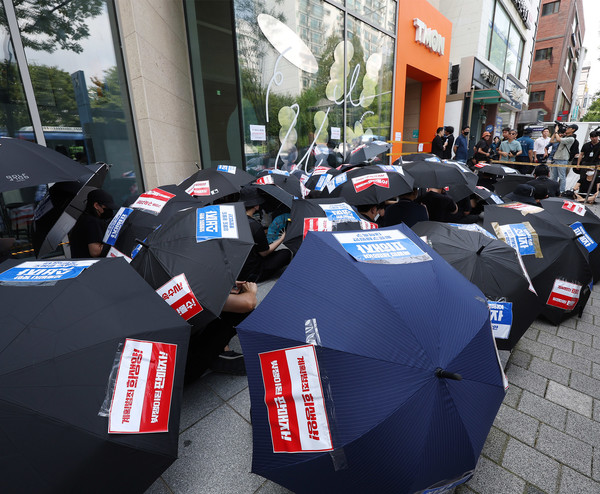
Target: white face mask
[[589, 174]]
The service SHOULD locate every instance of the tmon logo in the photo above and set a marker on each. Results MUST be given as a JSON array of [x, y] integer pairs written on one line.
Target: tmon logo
[[429, 37]]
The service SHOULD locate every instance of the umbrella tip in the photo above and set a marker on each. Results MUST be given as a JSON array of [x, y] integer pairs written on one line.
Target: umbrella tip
[[444, 374], [480, 249]]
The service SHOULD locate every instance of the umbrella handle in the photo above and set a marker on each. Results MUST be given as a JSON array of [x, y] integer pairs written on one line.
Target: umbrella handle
[[441, 373], [142, 243]]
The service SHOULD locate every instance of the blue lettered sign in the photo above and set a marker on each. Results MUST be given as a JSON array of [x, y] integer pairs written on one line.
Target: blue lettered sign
[[388, 247], [584, 237], [340, 213], [214, 222], [44, 271], [500, 318], [323, 181], [518, 236], [473, 227], [112, 232], [227, 169]]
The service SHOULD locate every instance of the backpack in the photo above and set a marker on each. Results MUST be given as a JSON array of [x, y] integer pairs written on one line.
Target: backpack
[[574, 150]]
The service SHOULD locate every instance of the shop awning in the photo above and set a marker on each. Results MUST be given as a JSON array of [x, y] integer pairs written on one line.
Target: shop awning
[[489, 96]]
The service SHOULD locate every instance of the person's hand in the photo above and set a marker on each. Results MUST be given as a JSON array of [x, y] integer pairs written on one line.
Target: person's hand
[[249, 287], [282, 236]]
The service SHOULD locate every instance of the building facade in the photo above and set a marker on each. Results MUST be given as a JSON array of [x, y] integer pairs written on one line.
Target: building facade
[[558, 59]]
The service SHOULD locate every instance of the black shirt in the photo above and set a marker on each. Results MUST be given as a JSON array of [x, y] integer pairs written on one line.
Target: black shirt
[[89, 229], [584, 184], [405, 211], [551, 186], [449, 145], [484, 146], [439, 206], [437, 146], [253, 265]]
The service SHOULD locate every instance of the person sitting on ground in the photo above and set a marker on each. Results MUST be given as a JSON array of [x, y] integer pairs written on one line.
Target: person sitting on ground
[[585, 184], [85, 238], [372, 212], [440, 205], [465, 213], [406, 211], [542, 178], [487, 180], [264, 260]]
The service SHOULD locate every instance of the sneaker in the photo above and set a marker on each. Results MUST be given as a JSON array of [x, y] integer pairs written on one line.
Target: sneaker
[[229, 362]]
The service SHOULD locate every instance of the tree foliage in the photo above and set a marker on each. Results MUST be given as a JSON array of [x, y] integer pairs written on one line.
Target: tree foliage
[[593, 113]]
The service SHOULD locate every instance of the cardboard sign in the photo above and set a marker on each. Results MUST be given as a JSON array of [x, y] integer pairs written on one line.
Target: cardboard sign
[[574, 207], [117, 253], [141, 401], [294, 398], [199, 188], [179, 295], [317, 225], [153, 201], [524, 208], [227, 169], [564, 295], [501, 318], [366, 181], [213, 222], [584, 237], [340, 213], [114, 227], [520, 236], [266, 180], [389, 247], [473, 227], [44, 271]]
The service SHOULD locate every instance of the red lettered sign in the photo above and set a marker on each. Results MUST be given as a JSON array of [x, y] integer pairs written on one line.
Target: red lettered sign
[[179, 295], [266, 180], [153, 201], [200, 188], [564, 295], [364, 182], [294, 399], [317, 225], [574, 207], [141, 401]]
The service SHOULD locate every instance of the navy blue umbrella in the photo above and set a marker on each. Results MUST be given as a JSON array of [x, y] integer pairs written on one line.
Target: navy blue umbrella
[[370, 376]]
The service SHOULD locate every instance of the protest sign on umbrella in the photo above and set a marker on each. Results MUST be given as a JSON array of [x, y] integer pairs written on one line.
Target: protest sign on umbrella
[[67, 327], [216, 183], [391, 389]]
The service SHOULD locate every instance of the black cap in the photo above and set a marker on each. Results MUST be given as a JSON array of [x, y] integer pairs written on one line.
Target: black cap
[[101, 197], [573, 126], [250, 196], [522, 193]]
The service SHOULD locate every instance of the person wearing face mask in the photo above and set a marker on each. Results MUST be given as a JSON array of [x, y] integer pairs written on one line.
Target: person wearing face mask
[[461, 145], [585, 184], [86, 236]]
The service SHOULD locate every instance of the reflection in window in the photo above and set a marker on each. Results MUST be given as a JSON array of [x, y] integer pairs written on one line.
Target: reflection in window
[[505, 44], [77, 81]]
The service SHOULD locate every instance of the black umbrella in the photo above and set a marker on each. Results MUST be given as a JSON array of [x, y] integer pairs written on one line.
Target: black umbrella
[[59, 344], [282, 179], [554, 258], [320, 177], [367, 151], [269, 184], [24, 163], [497, 271], [70, 213], [439, 175], [371, 184], [495, 169], [509, 183], [193, 260], [460, 191], [323, 214], [147, 213], [584, 223], [216, 183]]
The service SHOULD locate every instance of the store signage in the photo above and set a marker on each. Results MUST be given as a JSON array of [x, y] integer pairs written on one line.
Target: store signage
[[490, 77], [515, 91], [429, 37], [522, 10]]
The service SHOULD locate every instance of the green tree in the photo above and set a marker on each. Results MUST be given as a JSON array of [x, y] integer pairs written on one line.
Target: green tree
[[593, 113], [105, 97], [54, 96]]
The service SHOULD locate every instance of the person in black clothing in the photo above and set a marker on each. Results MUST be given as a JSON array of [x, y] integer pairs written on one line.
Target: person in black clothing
[[482, 148], [543, 184], [437, 145], [263, 261], [487, 180], [448, 142], [86, 236], [589, 155], [586, 185], [406, 211], [440, 206]]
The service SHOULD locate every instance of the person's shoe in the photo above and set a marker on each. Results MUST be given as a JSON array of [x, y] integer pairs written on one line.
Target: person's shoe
[[229, 362]]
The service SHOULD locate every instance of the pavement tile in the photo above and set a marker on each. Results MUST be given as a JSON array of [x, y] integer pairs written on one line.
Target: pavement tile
[[583, 428], [517, 424], [531, 465], [595, 370], [549, 370], [226, 385], [592, 309], [565, 449], [543, 410], [490, 478], [585, 384], [586, 318], [530, 489], [198, 401], [569, 398], [587, 352], [571, 361], [520, 358], [222, 438], [544, 326], [512, 396], [272, 488], [495, 444], [588, 327], [535, 348], [573, 334], [596, 465], [241, 403], [595, 341], [597, 410], [570, 323], [159, 487], [556, 342], [527, 380], [572, 482]]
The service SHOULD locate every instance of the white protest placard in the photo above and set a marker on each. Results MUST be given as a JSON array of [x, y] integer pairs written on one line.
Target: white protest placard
[[258, 133]]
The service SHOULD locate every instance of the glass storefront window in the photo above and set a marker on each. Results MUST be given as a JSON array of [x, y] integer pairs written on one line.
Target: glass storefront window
[[381, 13], [505, 44]]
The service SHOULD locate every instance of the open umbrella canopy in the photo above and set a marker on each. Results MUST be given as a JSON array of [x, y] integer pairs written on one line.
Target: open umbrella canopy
[[370, 184], [360, 393], [320, 177], [282, 179], [367, 151], [63, 323], [24, 163], [323, 214], [439, 175], [495, 169], [460, 191], [193, 260], [509, 183], [583, 222], [556, 261], [495, 268], [216, 182]]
